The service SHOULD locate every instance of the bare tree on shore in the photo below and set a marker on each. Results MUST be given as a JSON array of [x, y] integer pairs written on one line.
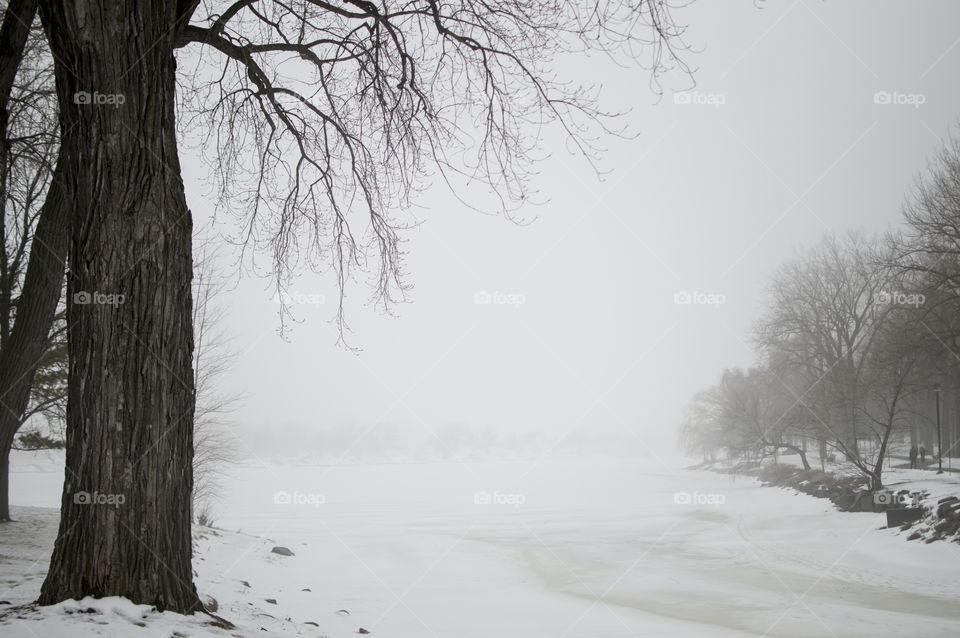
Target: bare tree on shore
[[322, 119], [34, 234]]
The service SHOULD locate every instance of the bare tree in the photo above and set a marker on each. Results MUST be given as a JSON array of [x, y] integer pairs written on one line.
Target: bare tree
[[759, 413], [318, 112], [749, 414], [838, 319], [214, 450], [349, 106], [930, 242], [857, 333], [928, 249], [702, 429], [34, 225]]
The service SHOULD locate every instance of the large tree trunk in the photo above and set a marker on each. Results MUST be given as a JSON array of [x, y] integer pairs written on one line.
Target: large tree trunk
[[125, 514]]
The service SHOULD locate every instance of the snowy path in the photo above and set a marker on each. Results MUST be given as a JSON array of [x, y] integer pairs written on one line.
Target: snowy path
[[572, 548]]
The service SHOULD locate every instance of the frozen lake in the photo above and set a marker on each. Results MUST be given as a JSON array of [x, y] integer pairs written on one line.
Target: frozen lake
[[536, 549], [587, 548]]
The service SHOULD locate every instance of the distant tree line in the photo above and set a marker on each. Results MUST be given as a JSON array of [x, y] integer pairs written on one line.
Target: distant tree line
[[857, 347]]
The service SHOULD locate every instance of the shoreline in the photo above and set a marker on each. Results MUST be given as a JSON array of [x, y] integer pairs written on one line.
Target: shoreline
[[850, 493]]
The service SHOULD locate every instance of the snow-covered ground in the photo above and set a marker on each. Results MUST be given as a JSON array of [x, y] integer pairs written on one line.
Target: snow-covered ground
[[521, 548]]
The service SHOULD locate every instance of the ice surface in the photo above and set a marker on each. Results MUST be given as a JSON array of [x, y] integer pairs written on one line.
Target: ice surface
[[551, 548]]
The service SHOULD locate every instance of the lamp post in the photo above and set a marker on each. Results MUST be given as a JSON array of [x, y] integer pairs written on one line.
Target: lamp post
[[936, 391]]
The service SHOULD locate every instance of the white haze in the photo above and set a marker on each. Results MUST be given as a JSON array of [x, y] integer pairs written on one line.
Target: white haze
[[708, 198]]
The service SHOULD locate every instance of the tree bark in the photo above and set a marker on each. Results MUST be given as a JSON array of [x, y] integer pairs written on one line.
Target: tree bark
[[876, 476], [6, 441], [14, 31], [125, 514]]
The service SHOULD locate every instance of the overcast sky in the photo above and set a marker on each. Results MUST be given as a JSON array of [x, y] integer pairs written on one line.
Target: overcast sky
[[781, 140]]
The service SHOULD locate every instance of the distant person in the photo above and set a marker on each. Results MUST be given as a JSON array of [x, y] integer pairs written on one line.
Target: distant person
[[923, 454], [913, 456]]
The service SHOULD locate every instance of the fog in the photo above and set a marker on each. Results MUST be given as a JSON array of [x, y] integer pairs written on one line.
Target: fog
[[608, 411], [779, 141]]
